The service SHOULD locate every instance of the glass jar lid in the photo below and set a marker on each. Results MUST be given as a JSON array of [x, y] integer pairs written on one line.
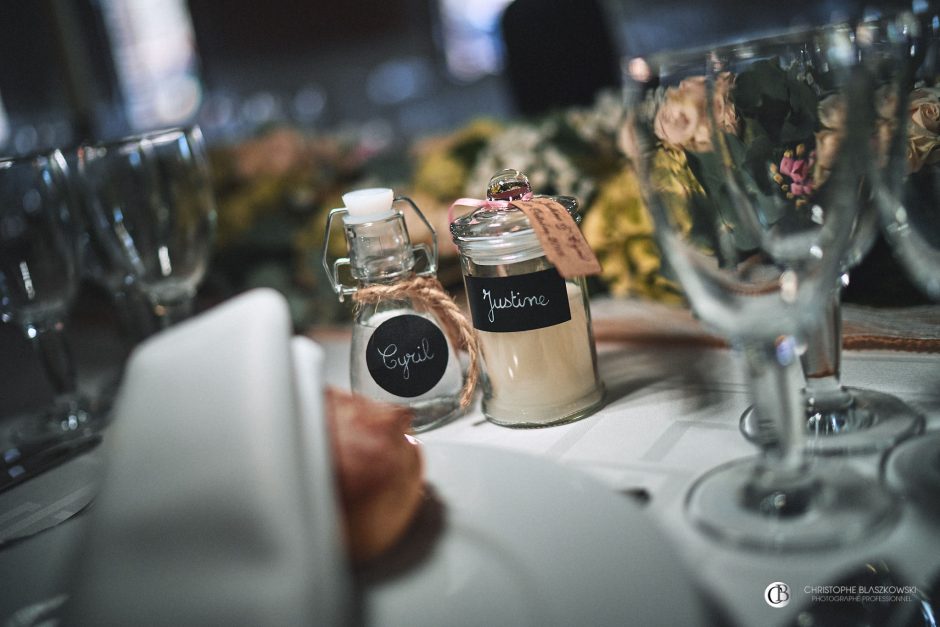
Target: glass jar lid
[[497, 232]]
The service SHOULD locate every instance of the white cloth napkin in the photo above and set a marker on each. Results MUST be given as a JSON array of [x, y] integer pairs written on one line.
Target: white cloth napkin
[[218, 505]]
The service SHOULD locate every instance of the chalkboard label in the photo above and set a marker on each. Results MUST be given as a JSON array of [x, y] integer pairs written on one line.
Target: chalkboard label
[[407, 355], [518, 303]]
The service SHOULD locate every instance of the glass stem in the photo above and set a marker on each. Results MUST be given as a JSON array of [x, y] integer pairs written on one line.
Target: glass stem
[[774, 375], [822, 360], [169, 313], [56, 357], [134, 314]]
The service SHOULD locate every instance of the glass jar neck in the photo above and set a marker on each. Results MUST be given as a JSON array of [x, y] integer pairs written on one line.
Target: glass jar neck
[[386, 279], [380, 251]]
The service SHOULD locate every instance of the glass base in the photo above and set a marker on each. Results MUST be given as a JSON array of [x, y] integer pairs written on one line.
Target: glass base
[[870, 422], [825, 505], [35, 443], [913, 469], [434, 412]]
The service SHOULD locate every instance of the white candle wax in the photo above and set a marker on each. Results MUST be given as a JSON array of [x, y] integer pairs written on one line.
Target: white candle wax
[[543, 375]]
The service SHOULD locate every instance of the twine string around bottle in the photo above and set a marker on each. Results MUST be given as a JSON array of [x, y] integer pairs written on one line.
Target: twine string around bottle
[[429, 293]]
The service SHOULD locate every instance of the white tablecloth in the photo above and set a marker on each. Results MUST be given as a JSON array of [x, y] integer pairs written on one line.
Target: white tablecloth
[[672, 414]]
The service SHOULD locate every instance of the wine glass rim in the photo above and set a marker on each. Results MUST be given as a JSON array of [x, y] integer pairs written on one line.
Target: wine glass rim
[[790, 35], [7, 161], [171, 131]]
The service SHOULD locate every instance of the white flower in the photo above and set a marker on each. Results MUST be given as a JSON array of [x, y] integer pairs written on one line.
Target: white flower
[[532, 148]]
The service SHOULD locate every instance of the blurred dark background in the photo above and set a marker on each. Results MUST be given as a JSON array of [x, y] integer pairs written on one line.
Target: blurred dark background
[[78, 70], [92, 69], [388, 72]]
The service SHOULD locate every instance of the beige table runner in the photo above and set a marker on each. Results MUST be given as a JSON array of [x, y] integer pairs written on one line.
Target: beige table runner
[[915, 329]]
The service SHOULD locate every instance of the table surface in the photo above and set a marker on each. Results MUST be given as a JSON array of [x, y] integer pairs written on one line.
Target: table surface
[[671, 414]]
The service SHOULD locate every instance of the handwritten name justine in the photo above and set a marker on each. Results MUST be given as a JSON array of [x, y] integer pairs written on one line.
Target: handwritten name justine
[[393, 360], [513, 301]]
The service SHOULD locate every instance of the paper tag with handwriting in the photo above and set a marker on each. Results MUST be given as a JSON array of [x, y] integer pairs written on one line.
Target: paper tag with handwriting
[[563, 242]]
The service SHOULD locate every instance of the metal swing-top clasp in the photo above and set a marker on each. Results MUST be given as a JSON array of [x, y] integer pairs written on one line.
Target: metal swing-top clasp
[[380, 248]]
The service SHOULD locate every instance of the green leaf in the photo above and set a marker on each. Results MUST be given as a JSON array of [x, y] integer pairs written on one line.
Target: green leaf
[[761, 83], [716, 216]]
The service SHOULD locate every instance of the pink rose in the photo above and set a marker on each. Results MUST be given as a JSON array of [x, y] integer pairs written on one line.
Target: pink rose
[[682, 117], [799, 189], [923, 131], [827, 147], [678, 119], [921, 151], [832, 112], [725, 113], [886, 102], [798, 170], [925, 108]]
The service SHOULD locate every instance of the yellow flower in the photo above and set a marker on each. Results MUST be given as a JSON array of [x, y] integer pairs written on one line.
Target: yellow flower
[[675, 184], [440, 177], [620, 231], [443, 162]]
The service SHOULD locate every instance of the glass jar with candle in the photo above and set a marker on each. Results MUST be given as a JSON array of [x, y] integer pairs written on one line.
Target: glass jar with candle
[[539, 361]]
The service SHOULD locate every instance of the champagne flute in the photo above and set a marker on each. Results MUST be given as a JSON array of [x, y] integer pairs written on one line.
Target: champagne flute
[[38, 282], [756, 261], [152, 212], [842, 419]]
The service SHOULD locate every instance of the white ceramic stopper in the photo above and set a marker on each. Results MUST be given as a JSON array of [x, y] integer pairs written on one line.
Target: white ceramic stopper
[[365, 205]]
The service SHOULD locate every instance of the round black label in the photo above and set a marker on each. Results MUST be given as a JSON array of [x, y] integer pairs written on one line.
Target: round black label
[[407, 355]]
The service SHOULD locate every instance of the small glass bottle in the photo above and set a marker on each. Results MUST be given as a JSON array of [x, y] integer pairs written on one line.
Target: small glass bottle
[[539, 359], [399, 353]]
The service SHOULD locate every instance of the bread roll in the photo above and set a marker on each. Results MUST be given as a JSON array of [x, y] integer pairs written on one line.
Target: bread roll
[[379, 471]]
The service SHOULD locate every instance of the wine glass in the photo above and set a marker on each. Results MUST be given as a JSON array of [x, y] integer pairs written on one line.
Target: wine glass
[[132, 308], [842, 419], [911, 221], [912, 186], [152, 212], [707, 132], [38, 282]]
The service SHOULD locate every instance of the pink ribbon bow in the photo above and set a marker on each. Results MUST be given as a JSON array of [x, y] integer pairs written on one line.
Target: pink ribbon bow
[[476, 202]]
